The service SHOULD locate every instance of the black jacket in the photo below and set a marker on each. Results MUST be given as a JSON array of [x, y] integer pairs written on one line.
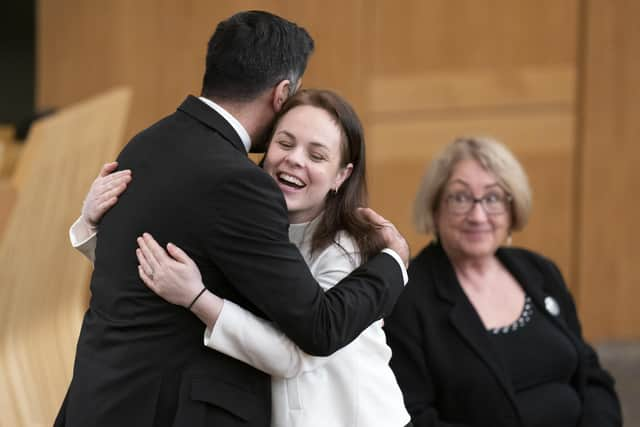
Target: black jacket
[[141, 361], [443, 358]]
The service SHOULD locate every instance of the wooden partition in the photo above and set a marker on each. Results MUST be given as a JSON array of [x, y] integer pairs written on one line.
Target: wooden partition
[[441, 69], [43, 281], [608, 244]]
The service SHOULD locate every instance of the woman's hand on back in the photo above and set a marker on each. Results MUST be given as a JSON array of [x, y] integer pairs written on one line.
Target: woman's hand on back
[[170, 273], [104, 193]]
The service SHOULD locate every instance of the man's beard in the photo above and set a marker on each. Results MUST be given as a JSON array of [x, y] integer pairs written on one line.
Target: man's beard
[[260, 142]]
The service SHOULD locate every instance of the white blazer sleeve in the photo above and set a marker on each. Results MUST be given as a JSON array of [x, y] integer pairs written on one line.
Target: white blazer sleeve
[[83, 239], [242, 335]]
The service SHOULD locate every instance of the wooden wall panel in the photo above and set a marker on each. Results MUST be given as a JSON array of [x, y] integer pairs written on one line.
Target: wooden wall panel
[[416, 35], [609, 207], [158, 47], [501, 89], [442, 69]]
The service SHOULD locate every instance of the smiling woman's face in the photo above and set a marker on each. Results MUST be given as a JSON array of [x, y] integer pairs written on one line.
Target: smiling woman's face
[[476, 233], [304, 159]]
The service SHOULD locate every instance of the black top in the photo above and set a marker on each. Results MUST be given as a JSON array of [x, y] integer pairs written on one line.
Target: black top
[[540, 362], [449, 370]]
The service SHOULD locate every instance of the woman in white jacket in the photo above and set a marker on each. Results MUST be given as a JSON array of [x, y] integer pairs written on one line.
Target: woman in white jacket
[[316, 155]]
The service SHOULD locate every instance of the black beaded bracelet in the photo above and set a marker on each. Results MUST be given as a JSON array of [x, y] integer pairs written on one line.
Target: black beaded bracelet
[[196, 298]]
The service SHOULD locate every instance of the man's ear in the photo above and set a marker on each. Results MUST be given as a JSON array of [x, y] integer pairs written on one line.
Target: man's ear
[[280, 94]]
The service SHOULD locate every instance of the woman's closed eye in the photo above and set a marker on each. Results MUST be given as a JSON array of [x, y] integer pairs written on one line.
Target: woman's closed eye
[[285, 143], [317, 156]]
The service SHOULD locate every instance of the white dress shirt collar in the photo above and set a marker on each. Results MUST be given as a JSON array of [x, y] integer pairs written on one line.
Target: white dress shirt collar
[[240, 130]]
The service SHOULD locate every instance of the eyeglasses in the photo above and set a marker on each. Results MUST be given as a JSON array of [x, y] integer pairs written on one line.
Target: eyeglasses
[[492, 203]]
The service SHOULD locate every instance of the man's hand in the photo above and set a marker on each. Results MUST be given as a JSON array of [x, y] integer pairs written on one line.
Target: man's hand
[[389, 233]]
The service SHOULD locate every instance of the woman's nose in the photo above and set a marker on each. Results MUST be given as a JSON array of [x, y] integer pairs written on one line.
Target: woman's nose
[[295, 157], [477, 212]]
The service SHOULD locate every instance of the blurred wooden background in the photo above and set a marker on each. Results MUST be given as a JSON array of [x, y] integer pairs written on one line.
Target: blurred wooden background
[[556, 81]]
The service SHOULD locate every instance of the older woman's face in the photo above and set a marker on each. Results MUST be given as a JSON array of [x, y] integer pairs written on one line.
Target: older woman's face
[[475, 233]]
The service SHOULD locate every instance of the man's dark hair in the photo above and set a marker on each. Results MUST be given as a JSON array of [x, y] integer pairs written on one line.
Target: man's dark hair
[[251, 52]]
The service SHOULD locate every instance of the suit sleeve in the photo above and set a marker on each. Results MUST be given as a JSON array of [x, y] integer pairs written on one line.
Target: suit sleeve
[[244, 336], [404, 332], [246, 234], [601, 407]]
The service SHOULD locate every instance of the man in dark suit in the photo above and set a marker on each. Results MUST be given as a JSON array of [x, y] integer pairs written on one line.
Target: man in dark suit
[[141, 361]]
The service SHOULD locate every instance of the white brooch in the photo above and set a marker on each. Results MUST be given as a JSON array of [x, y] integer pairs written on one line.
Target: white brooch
[[552, 306]]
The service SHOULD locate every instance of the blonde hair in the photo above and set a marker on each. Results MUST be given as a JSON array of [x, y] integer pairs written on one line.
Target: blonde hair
[[494, 158]]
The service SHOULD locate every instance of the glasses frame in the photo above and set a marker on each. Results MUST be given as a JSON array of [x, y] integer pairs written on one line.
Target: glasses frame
[[508, 199]]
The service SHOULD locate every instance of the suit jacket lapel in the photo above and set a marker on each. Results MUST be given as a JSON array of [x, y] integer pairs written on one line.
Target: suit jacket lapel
[[200, 111], [466, 321]]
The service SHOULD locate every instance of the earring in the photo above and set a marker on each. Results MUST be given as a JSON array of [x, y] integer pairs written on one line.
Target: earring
[[509, 239], [333, 192]]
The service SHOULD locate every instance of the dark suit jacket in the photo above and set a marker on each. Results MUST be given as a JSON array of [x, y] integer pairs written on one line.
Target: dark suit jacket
[[443, 358], [141, 361]]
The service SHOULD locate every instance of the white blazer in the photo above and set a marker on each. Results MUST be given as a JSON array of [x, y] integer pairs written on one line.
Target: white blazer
[[354, 387]]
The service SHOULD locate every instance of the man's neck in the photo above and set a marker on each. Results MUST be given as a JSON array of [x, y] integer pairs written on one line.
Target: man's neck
[[240, 129], [254, 115]]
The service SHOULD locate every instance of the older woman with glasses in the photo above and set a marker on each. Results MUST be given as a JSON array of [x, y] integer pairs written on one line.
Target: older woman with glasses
[[487, 335]]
